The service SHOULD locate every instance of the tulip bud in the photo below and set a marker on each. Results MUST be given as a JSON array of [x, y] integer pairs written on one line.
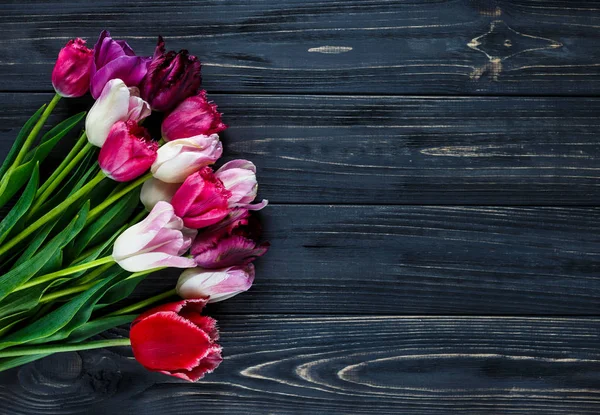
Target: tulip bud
[[114, 59], [201, 200], [171, 78], [157, 241], [127, 153], [217, 285], [175, 339], [117, 103], [239, 177], [212, 234], [178, 159], [194, 116], [71, 73], [154, 191]]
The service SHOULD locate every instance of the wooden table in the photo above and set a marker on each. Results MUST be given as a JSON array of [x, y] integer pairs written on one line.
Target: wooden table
[[432, 168]]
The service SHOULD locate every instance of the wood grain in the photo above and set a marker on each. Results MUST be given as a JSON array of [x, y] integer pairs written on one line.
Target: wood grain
[[352, 365], [399, 150], [291, 46], [422, 260]]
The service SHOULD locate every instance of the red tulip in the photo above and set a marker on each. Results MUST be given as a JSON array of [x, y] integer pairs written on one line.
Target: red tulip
[[128, 152], [201, 200], [71, 73], [176, 340], [194, 116], [171, 78]]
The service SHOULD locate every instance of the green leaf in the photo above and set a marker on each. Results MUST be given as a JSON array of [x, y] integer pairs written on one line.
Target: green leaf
[[94, 327], [61, 322], [21, 137], [53, 264], [10, 362], [105, 225], [23, 272], [34, 244], [120, 291], [60, 130], [17, 177], [22, 205]]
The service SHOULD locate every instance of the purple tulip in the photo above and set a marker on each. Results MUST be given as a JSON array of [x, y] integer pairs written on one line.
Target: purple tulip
[[115, 59], [171, 78]]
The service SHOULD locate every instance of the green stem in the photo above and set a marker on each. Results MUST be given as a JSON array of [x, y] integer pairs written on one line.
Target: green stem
[[73, 158], [35, 131], [92, 275], [57, 348], [66, 292], [67, 271], [143, 304], [112, 199], [53, 214]]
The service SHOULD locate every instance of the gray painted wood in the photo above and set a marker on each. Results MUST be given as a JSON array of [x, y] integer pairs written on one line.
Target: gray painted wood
[[349, 365], [398, 150], [297, 46]]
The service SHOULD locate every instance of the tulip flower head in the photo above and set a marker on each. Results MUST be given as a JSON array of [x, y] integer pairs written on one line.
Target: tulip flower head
[[117, 103], [194, 116], [154, 191], [128, 152], [201, 200], [171, 78], [71, 73], [178, 159], [239, 246], [239, 177], [217, 285], [175, 339], [157, 241], [115, 59]]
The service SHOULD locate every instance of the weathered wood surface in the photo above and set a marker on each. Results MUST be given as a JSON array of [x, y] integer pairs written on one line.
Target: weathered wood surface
[[422, 260], [433, 172], [390, 150], [292, 46], [328, 365]]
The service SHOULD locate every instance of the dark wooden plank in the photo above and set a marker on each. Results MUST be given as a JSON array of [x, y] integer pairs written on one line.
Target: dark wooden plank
[[375, 46], [389, 150], [422, 260], [345, 365]]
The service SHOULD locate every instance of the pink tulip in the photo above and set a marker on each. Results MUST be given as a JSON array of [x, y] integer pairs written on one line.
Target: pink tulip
[[201, 200], [171, 78], [178, 159], [217, 285], [71, 73], [116, 103], [128, 152], [239, 177], [209, 236], [157, 241], [115, 59], [194, 116]]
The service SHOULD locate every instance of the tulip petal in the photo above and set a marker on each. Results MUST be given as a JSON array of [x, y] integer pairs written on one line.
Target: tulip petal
[[234, 250], [143, 262], [131, 69], [206, 366], [166, 341], [196, 305]]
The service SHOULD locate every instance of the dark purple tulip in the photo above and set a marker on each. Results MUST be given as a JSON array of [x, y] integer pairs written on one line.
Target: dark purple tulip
[[115, 59], [171, 78]]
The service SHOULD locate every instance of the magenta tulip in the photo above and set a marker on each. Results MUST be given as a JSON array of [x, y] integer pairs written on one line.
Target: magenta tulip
[[201, 200], [115, 59], [128, 152], [171, 78], [194, 116], [71, 73]]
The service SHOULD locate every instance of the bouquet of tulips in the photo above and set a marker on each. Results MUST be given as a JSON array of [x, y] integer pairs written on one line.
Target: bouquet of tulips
[[120, 206]]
